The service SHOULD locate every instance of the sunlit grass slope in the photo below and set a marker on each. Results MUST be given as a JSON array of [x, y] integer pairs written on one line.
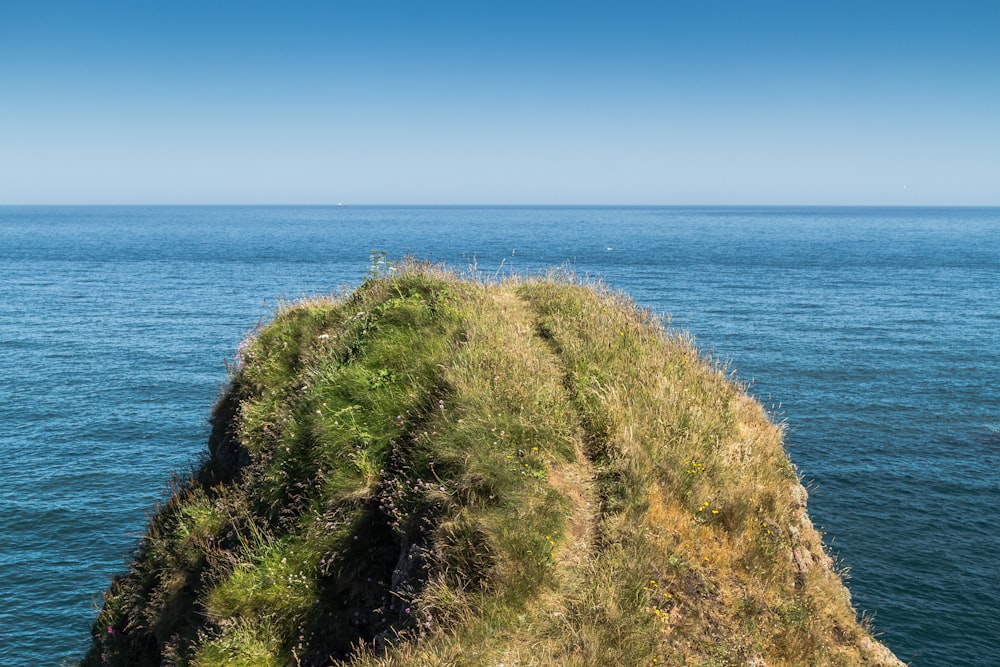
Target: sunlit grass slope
[[443, 471]]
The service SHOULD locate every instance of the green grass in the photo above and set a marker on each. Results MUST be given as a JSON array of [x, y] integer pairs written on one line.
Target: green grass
[[437, 470]]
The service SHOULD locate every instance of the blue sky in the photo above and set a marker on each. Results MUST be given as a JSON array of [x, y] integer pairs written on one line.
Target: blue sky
[[370, 102]]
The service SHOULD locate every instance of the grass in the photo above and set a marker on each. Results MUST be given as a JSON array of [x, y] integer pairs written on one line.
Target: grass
[[438, 470]]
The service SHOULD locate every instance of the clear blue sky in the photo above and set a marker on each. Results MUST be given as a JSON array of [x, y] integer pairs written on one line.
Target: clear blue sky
[[424, 102]]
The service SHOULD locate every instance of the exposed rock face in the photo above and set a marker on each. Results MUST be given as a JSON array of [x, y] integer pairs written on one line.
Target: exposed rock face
[[436, 471]]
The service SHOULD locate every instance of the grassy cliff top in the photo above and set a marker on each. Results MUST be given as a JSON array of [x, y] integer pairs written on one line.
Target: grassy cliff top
[[442, 471]]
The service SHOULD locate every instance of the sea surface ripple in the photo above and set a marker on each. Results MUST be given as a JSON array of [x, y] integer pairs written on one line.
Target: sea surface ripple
[[871, 332]]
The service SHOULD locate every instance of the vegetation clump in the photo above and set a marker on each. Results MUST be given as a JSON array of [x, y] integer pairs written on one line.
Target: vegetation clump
[[438, 470]]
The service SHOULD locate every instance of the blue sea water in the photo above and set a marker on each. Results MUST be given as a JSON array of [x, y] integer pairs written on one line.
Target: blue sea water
[[873, 332]]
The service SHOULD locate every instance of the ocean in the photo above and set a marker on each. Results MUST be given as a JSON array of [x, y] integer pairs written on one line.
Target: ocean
[[873, 333]]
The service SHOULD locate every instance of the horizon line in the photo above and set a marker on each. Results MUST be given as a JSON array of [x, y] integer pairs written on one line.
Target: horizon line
[[479, 205]]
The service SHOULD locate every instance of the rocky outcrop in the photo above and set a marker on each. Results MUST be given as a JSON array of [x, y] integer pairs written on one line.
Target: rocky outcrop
[[441, 471]]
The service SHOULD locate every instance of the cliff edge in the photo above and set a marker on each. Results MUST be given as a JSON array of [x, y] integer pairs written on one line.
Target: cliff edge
[[441, 471]]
